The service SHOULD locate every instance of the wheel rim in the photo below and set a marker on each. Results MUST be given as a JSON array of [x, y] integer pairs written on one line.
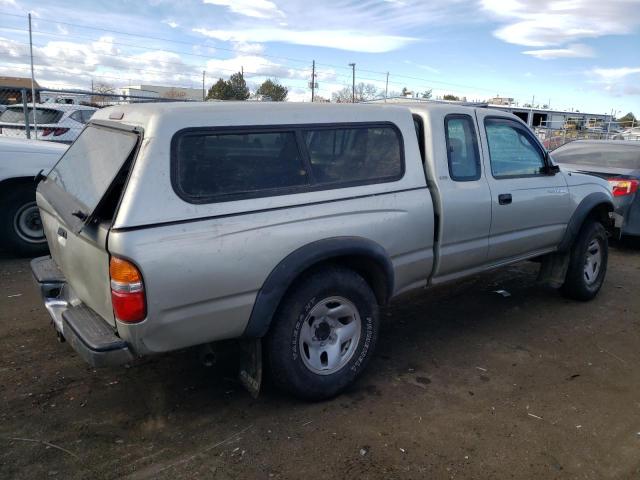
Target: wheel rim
[[329, 335], [28, 224], [593, 261]]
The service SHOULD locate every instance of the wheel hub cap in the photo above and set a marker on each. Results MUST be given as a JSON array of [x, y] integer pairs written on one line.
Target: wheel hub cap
[[329, 335], [28, 224], [593, 261]]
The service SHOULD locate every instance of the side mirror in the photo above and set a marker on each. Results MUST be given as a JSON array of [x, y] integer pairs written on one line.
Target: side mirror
[[551, 169]]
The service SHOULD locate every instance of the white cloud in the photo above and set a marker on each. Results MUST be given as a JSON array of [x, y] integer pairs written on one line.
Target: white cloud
[[8, 3], [614, 74], [616, 81], [171, 23], [248, 48], [421, 66], [543, 23], [340, 39], [250, 8], [575, 50]]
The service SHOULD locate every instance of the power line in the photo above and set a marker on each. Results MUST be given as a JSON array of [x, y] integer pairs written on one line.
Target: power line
[[236, 51]]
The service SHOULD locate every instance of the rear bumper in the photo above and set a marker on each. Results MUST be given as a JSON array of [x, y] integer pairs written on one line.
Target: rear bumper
[[89, 335]]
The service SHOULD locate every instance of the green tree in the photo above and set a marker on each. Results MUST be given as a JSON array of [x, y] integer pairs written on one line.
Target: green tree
[[273, 90], [628, 120], [451, 97], [427, 94], [221, 90], [238, 87]]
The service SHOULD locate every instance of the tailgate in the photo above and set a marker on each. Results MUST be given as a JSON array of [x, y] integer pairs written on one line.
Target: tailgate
[[77, 201]]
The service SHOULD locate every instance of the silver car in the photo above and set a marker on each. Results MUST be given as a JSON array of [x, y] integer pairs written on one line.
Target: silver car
[[287, 225]]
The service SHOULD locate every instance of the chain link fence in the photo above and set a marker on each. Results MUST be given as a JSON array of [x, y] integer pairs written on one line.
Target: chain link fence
[[56, 115]]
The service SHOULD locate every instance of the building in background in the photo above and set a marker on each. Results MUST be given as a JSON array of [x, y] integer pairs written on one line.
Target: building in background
[[501, 101], [158, 91], [16, 89]]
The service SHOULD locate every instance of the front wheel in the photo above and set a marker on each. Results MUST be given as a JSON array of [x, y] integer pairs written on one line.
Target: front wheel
[[587, 263], [323, 334], [20, 224]]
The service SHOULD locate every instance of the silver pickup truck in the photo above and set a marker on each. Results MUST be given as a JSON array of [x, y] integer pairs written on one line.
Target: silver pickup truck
[[287, 225]]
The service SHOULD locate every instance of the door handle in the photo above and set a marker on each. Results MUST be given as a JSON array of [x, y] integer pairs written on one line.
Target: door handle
[[504, 199]]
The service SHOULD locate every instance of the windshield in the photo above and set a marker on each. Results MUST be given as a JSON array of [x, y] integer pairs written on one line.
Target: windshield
[[91, 163], [43, 115], [607, 155]]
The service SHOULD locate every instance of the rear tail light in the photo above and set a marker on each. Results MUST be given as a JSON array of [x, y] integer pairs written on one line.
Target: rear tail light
[[127, 291], [622, 186], [59, 131]]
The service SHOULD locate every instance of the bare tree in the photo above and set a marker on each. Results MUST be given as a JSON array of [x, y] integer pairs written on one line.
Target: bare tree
[[101, 91], [362, 92]]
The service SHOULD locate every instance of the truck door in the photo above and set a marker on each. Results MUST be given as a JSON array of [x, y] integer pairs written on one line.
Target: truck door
[[529, 206], [463, 199]]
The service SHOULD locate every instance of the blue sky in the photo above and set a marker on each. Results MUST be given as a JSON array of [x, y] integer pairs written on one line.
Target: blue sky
[[581, 54]]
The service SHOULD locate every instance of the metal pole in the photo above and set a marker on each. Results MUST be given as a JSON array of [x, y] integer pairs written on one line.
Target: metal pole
[[313, 81], [25, 108], [203, 95], [353, 82], [33, 88], [386, 88]]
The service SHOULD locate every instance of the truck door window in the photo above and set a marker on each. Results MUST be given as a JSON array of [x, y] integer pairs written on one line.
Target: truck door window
[[355, 154], [462, 148], [512, 151]]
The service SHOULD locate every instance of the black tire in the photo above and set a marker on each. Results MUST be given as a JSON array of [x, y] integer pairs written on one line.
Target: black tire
[[577, 284], [283, 349], [19, 206]]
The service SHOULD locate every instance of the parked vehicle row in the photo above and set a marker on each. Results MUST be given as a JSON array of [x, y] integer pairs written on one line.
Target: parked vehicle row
[[54, 122], [176, 225], [20, 161], [618, 163]]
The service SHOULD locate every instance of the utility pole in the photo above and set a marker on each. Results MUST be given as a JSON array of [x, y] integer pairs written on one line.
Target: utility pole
[[313, 80], [386, 89], [353, 82], [33, 88], [203, 95], [242, 71]]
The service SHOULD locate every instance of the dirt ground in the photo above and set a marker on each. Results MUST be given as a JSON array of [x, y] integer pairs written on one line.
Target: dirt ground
[[465, 383]]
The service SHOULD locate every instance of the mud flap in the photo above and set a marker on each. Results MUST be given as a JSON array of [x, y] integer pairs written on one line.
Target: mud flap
[[251, 365], [553, 269]]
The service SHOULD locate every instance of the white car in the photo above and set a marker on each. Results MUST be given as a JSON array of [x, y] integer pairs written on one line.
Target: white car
[[20, 161], [57, 123], [631, 134]]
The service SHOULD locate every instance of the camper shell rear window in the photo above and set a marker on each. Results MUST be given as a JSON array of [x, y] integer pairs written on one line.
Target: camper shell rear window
[[222, 164]]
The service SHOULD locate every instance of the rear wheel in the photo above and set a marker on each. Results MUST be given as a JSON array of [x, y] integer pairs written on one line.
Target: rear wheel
[[587, 263], [323, 334], [20, 224]]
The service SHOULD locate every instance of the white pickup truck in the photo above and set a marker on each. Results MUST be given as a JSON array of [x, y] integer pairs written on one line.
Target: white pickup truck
[[20, 161], [286, 225]]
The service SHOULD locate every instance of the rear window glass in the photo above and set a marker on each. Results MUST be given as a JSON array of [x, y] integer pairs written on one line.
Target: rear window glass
[[221, 164], [358, 154], [91, 163], [43, 115], [606, 155]]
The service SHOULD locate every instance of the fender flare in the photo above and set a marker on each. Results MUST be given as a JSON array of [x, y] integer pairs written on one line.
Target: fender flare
[[585, 207], [283, 275]]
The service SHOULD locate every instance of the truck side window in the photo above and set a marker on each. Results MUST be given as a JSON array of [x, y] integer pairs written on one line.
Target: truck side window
[[213, 165], [512, 151], [462, 148], [354, 154]]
